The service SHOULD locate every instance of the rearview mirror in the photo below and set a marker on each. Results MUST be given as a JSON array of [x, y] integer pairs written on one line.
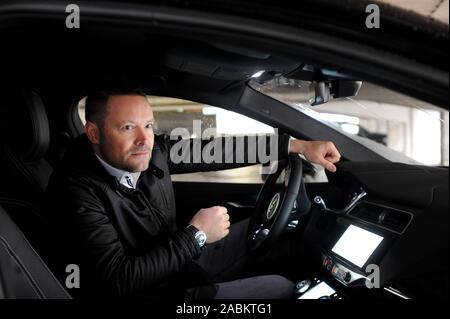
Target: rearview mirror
[[327, 90], [327, 84]]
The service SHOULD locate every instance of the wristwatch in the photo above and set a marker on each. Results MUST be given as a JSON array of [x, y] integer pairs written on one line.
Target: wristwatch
[[199, 235]]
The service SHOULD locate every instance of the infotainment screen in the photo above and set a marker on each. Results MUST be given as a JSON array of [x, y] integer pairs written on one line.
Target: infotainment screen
[[357, 245]]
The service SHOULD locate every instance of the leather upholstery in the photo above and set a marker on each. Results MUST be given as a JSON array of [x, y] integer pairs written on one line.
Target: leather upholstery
[[24, 140], [23, 274], [24, 122]]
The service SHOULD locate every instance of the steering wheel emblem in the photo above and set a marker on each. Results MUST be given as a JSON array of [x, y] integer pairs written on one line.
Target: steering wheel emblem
[[271, 210]]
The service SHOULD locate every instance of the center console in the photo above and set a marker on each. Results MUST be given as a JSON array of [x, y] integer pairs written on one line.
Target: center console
[[315, 289], [348, 259], [348, 253]]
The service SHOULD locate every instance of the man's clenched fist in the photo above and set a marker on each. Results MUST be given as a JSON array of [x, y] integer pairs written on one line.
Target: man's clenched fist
[[213, 221]]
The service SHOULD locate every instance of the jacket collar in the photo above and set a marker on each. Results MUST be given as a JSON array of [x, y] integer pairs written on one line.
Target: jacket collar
[[126, 178]]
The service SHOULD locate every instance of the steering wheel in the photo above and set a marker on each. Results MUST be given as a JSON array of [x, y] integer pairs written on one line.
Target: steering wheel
[[274, 205]]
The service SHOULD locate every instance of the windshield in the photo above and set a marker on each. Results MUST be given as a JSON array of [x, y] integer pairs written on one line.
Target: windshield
[[378, 118]]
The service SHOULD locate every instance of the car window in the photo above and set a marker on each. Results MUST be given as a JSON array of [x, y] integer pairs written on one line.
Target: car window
[[413, 128], [172, 114]]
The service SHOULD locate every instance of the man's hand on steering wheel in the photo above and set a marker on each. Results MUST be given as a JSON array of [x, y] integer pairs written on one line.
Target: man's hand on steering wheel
[[323, 153]]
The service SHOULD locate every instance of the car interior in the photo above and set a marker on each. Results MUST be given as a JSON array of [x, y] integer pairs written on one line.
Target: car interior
[[377, 228]]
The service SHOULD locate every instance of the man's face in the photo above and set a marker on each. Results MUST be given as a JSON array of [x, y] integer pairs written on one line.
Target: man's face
[[126, 138]]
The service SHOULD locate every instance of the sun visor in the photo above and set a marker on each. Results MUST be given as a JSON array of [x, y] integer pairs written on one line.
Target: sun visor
[[217, 63]]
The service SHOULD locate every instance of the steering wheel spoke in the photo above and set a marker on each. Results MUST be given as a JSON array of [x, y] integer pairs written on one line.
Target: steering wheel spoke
[[274, 205]]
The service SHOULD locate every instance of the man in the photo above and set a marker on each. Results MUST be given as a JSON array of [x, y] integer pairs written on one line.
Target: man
[[114, 201]]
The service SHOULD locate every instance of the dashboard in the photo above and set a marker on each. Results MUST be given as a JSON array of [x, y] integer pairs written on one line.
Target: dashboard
[[379, 230]]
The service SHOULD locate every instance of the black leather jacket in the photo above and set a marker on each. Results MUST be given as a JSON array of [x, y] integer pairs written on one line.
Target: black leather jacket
[[125, 241]]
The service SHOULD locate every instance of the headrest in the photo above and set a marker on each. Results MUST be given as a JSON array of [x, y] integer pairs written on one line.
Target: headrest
[[24, 124]]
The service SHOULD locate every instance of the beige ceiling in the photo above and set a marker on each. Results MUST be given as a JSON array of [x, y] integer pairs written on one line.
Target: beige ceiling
[[437, 9]]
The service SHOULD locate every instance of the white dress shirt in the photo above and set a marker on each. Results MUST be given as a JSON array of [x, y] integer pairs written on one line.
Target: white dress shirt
[[125, 178]]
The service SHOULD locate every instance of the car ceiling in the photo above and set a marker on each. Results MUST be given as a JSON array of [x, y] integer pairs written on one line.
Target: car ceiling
[[164, 65], [173, 60]]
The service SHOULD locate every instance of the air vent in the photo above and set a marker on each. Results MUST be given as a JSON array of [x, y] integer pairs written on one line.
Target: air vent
[[368, 213], [394, 220]]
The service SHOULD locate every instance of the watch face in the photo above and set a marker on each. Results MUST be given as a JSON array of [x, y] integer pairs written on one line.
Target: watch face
[[201, 238]]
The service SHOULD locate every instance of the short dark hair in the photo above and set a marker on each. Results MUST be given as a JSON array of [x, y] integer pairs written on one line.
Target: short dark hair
[[95, 105]]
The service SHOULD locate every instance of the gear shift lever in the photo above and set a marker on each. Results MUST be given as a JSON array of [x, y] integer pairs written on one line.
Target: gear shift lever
[[321, 203]]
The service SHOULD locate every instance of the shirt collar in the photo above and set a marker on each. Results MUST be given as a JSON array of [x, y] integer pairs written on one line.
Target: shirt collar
[[122, 176]]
